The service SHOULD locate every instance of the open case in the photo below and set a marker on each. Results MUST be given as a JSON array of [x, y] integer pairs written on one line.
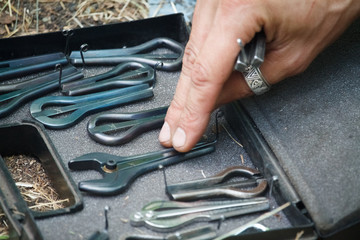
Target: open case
[[252, 120], [306, 132]]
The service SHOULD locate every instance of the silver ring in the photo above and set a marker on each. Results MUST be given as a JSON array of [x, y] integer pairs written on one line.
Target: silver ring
[[255, 80]]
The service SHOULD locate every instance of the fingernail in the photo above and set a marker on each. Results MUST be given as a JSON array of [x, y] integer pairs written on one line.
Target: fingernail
[[179, 138], [164, 135]]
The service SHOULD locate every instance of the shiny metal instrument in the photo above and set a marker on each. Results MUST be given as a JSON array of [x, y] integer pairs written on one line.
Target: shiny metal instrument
[[24, 92], [170, 215], [218, 186], [119, 172], [140, 53], [66, 111], [123, 75], [120, 128]]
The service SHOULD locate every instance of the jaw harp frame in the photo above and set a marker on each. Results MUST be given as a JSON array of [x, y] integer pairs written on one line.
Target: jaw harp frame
[[18, 67], [139, 53], [23, 92], [118, 172], [123, 75], [170, 215], [216, 186], [78, 107], [120, 128]]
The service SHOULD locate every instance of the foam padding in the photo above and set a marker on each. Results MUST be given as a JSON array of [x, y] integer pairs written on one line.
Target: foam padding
[[312, 124]]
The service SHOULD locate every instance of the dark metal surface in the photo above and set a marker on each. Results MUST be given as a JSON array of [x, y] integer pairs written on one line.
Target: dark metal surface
[[217, 186], [124, 75], [20, 67], [77, 107], [166, 216], [8, 87], [133, 124], [117, 56], [15, 99], [119, 172]]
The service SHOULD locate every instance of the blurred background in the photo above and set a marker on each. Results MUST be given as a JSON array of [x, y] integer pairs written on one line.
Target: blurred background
[[25, 17]]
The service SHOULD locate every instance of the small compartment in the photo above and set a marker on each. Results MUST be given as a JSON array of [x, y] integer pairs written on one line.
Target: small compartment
[[29, 139], [18, 221]]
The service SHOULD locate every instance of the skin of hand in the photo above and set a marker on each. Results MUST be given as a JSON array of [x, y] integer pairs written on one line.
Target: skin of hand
[[296, 32]]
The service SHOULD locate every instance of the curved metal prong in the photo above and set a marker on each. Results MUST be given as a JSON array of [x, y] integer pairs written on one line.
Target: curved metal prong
[[216, 186], [171, 215]]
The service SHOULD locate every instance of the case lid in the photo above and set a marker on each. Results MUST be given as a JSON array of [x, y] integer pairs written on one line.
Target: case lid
[[312, 123]]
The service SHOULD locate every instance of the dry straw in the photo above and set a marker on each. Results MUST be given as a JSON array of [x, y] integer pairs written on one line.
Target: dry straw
[[34, 184], [20, 17]]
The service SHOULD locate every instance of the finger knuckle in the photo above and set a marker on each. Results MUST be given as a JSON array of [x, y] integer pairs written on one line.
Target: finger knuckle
[[191, 116], [173, 110], [176, 103], [190, 54], [200, 76], [297, 64]]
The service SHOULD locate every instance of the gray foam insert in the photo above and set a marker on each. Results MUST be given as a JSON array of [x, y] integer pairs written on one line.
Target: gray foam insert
[[312, 123], [73, 142]]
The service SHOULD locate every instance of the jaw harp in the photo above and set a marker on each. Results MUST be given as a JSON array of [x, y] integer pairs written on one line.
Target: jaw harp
[[123, 75], [119, 128], [119, 172], [33, 88], [170, 215], [139, 53], [216, 186], [59, 112], [22, 66]]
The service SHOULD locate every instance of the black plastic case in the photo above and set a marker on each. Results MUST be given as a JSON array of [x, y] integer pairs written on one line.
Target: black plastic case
[[305, 130], [172, 26], [29, 138], [112, 36]]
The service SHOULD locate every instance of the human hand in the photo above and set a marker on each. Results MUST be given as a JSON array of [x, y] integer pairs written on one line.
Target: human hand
[[296, 32]]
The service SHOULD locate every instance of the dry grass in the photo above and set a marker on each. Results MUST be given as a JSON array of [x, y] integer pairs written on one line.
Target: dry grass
[[24, 17], [33, 183], [111, 11], [3, 226]]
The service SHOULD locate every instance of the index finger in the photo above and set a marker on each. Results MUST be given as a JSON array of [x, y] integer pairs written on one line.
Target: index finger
[[212, 68], [202, 23]]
